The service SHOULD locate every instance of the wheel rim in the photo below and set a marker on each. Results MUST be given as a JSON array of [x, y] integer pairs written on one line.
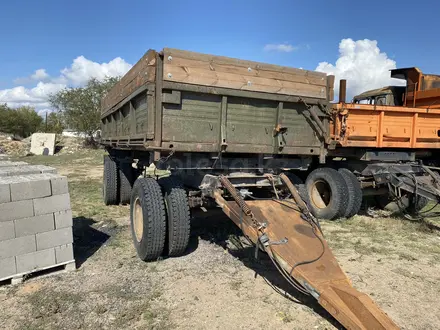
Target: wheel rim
[[321, 194], [138, 220]]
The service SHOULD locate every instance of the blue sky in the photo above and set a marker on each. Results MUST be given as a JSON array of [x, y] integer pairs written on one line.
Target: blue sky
[[50, 35]]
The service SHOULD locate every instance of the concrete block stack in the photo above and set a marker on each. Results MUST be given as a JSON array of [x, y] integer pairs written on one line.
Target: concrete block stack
[[35, 221]]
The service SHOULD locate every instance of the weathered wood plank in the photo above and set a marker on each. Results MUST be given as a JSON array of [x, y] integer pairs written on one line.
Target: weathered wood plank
[[222, 60], [141, 73], [300, 76], [236, 81]]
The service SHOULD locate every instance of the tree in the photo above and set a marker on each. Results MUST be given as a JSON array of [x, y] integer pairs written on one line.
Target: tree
[[81, 106], [55, 123], [22, 121]]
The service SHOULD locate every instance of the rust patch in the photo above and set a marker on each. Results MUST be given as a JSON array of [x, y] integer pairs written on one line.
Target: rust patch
[[305, 230]]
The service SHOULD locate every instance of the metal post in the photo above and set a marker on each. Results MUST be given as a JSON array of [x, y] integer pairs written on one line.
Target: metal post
[[342, 90]]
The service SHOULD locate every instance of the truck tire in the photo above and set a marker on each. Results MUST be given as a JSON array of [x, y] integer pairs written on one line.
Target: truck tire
[[326, 193], [354, 192], [111, 182], [178, 215], [126, 175], [147, 218]]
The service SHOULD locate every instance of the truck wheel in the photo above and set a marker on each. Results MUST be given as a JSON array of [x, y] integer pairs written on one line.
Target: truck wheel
[[354, 192], [178, 215], [147, 217], [111, 182], [326, 193], [126, 175]]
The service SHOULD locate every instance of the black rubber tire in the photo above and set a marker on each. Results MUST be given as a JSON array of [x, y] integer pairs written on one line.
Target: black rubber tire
[[126, 175], [110, 186], [178, 215], [354, 192], [337, 201], [147, 198]]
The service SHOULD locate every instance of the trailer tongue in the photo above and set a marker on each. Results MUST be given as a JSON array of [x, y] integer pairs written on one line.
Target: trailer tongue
[[292, 238]]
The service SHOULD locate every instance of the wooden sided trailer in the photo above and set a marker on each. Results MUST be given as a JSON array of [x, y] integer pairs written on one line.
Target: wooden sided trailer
[[186, 130]]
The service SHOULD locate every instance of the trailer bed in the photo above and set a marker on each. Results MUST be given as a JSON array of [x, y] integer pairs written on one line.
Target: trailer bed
[[190, 102]]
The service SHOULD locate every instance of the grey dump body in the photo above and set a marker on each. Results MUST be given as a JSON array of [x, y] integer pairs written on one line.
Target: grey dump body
[[178, 101]]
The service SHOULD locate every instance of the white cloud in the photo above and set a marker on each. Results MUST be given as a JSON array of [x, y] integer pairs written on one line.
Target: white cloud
[[80, 71], [285, 47], [83, 69], [40, 74], [363, 65]]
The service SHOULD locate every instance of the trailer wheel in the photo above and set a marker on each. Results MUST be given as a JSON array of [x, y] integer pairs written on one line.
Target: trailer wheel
[[326, 193], [147, 217], [126, 175], [178, 215], [354, 192], [111, 182]]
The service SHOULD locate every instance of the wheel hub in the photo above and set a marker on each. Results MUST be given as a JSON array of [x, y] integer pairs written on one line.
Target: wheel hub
[[321, 194], [138, 220]]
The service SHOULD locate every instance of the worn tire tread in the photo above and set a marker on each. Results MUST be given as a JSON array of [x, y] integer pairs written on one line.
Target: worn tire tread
[[354, 192], [111, 182], [153, 208], [125, 177], [338, 204], [178, 215]]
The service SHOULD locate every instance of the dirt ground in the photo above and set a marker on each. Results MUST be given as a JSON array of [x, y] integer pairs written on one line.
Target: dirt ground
[[215, 285]]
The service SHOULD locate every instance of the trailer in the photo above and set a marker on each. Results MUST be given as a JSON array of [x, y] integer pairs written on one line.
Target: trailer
[[186, 130]]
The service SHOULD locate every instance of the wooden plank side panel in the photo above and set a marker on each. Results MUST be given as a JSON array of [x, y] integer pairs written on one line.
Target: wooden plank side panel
[[208, 70], [198, 76], [141, 73], [303, 76], [222, 60]]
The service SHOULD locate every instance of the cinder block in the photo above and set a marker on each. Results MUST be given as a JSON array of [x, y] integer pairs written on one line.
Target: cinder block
[[4, 163], [63, 219], [34, 225], [54, 238], [7, 230], [26, 169], [5, 193], [17, 246], [35, 260], [51, 204], [7, 267], [43, 143], [29, 188], [64, 253], [16, 210], [59, 185]]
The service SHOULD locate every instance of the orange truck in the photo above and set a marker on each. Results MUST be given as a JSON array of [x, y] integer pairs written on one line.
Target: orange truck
[[392, 117]]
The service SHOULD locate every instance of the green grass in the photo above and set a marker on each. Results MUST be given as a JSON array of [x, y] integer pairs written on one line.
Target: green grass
[[86, 201], [83, 156]]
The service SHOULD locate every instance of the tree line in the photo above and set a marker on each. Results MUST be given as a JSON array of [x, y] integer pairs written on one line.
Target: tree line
[[76, 108]]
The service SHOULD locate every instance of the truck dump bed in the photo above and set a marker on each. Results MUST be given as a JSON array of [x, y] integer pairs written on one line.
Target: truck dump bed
[[191, 102], [379, 126]]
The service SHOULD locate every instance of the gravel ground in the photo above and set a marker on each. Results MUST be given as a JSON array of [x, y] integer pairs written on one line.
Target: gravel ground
[[214, 285]]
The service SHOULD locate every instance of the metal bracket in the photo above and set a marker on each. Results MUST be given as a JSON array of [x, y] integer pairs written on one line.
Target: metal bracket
[[174, 97], [265, 241]]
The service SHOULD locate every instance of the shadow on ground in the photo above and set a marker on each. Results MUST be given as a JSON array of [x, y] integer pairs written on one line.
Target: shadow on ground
[[217, 228], [86, 239]]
